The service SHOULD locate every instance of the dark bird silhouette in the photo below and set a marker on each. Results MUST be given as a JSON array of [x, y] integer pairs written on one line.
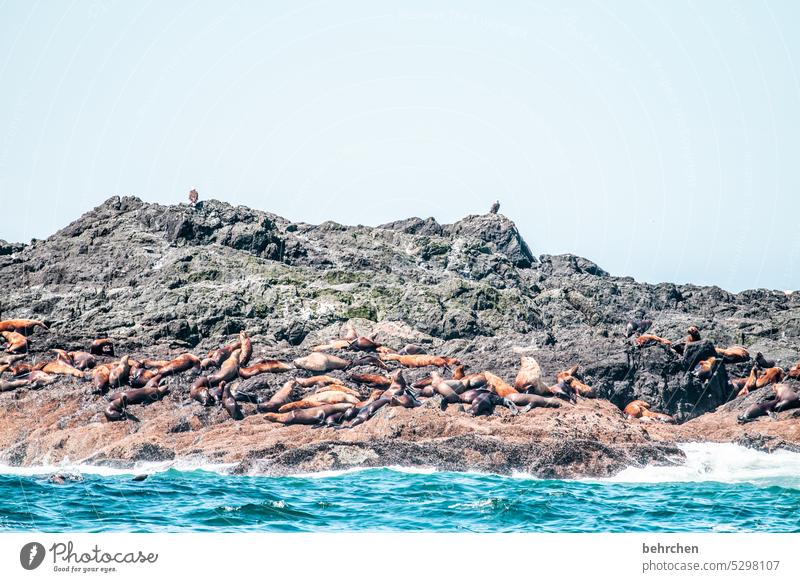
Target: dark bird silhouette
[[495, 207], [193, 196]]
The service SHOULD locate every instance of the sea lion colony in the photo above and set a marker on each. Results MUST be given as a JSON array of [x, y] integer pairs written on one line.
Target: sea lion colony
[[313, 397]]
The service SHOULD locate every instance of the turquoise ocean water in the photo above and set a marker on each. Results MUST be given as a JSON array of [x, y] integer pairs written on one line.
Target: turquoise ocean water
[[721, 488]]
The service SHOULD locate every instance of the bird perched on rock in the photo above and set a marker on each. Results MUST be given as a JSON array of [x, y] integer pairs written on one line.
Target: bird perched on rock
[[193, 196], [495, 207]]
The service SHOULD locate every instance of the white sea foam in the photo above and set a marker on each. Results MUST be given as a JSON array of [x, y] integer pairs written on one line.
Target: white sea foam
[[722, 463], [143, 468]]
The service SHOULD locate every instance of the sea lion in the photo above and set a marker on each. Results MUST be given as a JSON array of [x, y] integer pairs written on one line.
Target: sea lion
[[336, 344], [314, 415], [247, 349], [499, 386], [371, 379], [368, 361], [733, 355], [7, 385], [60, 368], [118, 375], [82, 360], [17, 343], [23, 326], [448, 389], [770, 376], [363, 344], [178, 365], [529, 375], [280, 398], [199, 392], [583, 390], [39, 379], [495, 207], [102, 347], [705, 369], [217, 357], [11, 358], [786, 397], [116, 409], [639, 326], [641, 410], [320, 398], [693, 334], [412, 350], [529, 401], [314, 380], [485, 403], [647, 340], [764, 363], [101, 378], [229, 402], [140, 377], [228, 371], [348, 332], [263, 367], [321, 363], [421, 360], [749, 382], [148, 363], [145, 395], [338, 388], [366, 412]]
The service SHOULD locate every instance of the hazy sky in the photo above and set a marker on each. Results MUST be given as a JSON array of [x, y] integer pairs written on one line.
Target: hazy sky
[[659, 139]]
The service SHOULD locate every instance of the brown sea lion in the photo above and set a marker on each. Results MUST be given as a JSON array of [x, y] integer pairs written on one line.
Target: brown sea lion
[[140, 377], [448, 389], [749, 383], [363, 344], [371, 379], [247, 349], [145, 395], [366, 412], [314, 415], [116, 409], [770, 376], [82, 360], [349, 332], [180, 364], [412, 350], [266, 366], [786, 397], [733, 355], [705, 369], [17, 343], [583, 390], [228, 371], [369, 361], [23, 326], [62, 369], [11, 358], [229, 403], [693, 334], [321, 363], [7, 385], [39, 379], [217, 357], [102, 347], [148, 363], [101, 378], [280, 398], [314, 380], [647, 340], [337, 344], [199, 392], [485, 402], [498, 385], [794, 371], [421, 360], [529, 375], [118, 374], [338, 388], [320, 398], [641, 410], [529, 401]]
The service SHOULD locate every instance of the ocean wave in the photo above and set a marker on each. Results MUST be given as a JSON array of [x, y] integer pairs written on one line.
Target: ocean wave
[[721, 463], [140, 468]]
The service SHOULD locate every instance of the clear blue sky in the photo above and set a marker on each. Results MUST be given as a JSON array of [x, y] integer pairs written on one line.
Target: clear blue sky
[[659, 139]]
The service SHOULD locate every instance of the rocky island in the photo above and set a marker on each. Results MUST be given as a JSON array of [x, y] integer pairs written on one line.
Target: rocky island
[[166, 280]]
